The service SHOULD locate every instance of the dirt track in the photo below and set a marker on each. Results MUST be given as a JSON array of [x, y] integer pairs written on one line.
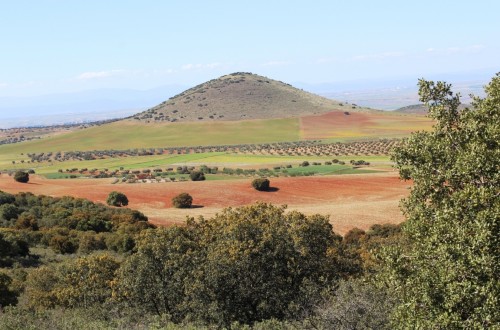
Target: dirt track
[[351, 200]]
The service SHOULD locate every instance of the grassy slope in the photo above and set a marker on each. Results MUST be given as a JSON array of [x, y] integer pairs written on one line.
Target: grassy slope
[[119, 136]]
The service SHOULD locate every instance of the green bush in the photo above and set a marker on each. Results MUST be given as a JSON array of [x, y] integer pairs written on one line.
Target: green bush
[[22, 177], [197, 176], [182, 201], [116, 198], [261, 184]]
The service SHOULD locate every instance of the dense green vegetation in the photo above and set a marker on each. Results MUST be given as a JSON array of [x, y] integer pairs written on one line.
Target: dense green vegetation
[[446, 274], [244, 266]]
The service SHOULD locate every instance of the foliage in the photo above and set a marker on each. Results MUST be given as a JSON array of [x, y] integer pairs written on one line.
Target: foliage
[[66, 224], [261, 184], [155, 279], [21, 176], [244, 265], [447, 273], [7, 295], [182, 201], [11, 248], [76, 283], [197, 176], [116, 198], [355, 304], [257, 261]]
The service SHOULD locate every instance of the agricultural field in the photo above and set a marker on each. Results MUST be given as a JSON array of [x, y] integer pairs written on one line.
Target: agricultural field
[[350, 200], [310, 176]]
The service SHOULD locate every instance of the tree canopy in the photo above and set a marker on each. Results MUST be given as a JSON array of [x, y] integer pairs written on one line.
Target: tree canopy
[[447, 274], [116, 198], [21, 176]]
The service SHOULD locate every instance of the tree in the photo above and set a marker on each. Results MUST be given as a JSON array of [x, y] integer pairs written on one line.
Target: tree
[[79, 282], [156, 278], [244, 265], [446, 275], [261, 184], [259, 262], [21, 176], [182, 201], [7, 296], [116, 198], [197, 176]]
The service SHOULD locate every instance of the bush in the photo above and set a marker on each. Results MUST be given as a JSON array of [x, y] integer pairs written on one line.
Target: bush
[[197, 176], [116, 198], [261, 184], [22, 177], [182, 201]]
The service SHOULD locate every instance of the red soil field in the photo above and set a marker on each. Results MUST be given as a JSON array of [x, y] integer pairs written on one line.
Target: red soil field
[[337, 124], [359, 200]]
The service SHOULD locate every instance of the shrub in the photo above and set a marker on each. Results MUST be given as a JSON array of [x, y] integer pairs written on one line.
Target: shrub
[[197, 176], [304, 163], [182, 201], [22, 177], [261, 184], [116, 198]]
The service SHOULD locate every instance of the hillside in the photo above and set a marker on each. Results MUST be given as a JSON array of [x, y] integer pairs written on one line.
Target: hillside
[[420, 109], [239, 96], [414, 109]]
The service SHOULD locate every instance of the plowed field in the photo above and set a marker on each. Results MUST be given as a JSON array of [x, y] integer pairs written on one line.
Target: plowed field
[[351, 200]]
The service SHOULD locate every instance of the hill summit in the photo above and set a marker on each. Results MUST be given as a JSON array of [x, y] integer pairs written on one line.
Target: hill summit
[[239, 96]]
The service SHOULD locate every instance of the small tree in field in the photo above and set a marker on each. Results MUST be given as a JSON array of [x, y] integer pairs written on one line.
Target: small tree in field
[[261, 184], [182, 201], [197, 176], [116, 198], [22, 177]]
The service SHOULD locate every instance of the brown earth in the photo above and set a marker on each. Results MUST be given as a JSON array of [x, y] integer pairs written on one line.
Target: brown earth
[[350, 124], [359, 200]]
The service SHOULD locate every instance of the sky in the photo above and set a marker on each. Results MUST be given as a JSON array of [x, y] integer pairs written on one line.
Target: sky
[[57, 46]]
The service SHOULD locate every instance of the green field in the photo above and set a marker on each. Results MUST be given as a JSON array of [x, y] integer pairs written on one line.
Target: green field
[[120, 136], [127, 135], [219, 159]]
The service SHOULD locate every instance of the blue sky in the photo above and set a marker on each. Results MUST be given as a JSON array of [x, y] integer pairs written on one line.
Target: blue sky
[[66, 46]]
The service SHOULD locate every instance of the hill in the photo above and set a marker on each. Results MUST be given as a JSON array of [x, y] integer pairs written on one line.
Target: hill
[[414, 109], [420, 109], [239, 96]]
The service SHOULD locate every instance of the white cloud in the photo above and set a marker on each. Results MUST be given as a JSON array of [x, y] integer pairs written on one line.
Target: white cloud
[[191, 66], [2, 85], [379, 56], [455, 50], [277, 63], [326, 60], [98, 74]]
